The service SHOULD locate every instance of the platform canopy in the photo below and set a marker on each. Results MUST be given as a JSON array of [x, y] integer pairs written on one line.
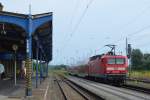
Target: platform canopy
[[14, 28]]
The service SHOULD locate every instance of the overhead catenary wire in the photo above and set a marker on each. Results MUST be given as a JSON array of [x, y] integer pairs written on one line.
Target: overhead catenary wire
[[132, 34], [142, 42], [137, 16], [141, 45], [132, 21], [71, 20], [73, 14], [141, 30], [82, 16], [78, 23], [119, 40]]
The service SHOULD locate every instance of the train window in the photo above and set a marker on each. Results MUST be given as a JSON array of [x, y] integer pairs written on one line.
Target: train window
[[116, 61], [111, 61], [120, 61]]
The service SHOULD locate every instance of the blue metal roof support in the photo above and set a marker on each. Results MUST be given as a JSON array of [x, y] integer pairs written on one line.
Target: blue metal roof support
[[19, 21], [29, 56], [29, 37], [37, 22]]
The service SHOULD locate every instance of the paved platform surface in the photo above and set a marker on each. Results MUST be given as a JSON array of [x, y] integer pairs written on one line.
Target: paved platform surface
[[8, 91]]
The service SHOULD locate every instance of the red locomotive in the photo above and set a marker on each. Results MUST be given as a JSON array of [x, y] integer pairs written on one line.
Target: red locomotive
[[106, 67]]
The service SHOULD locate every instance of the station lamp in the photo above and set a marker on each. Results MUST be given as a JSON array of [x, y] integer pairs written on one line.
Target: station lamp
[[15, 48]]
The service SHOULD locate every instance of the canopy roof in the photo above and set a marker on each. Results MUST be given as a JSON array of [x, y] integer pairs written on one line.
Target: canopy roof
[[14, 29]]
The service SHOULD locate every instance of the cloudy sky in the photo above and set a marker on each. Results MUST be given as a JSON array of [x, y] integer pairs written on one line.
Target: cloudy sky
[[83, 27]]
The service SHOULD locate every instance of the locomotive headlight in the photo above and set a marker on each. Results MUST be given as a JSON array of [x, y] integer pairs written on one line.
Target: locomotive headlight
[[110, 68]]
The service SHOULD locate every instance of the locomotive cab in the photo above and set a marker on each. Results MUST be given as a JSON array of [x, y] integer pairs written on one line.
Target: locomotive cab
[[116, 67]]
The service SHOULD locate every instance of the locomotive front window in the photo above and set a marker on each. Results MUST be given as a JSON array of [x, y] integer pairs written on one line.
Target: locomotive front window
[[111, 61], [116, 61], [120, 61]]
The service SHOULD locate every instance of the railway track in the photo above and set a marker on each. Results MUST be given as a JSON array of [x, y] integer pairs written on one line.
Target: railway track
[[71, 91], [131, 87], [140, 89], [138, 80], [65, 97], [110, 92]]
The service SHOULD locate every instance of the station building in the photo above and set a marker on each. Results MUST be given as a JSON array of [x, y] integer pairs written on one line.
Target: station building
[[25, 38]]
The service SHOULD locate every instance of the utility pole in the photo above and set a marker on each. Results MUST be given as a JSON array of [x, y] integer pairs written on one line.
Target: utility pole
[[126, 46], [127, 54], [130, 57]]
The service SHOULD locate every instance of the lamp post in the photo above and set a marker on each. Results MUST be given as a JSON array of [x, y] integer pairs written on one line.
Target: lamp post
[[15, 48]]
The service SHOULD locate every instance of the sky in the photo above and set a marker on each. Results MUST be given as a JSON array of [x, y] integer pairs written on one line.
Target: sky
[[80, 32]]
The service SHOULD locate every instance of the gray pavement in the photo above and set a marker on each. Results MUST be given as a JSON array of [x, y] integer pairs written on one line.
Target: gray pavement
[[8, 91]]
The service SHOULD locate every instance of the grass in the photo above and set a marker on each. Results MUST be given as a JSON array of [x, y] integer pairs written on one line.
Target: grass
[[140, 74], [61, 72], [134, 74]]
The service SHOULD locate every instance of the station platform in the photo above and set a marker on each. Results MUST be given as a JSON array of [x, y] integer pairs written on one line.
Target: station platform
[[8, 91], [29, 40]]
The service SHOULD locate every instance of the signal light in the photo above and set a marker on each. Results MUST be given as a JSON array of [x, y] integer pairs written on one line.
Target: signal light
[[129, 51]]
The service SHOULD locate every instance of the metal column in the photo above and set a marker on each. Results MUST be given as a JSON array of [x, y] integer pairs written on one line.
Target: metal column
[[28, 90], [15, 68], [47, 69], [40, 69], [37, 65]]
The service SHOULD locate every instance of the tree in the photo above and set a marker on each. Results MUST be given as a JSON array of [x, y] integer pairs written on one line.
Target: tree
[[137, 59], [146, 61]]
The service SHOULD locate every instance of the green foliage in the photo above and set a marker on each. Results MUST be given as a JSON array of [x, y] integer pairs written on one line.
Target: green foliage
[[137, 57], [140, 74], [58, 67], [140, 61], [34, 66], [146, 61]]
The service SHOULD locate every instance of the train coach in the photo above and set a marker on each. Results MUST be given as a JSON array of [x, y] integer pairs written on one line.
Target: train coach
[[106, 67]]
